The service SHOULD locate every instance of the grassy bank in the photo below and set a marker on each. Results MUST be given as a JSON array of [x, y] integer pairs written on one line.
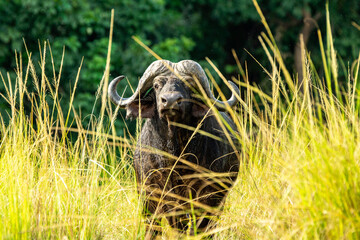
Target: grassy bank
[[300, 152]]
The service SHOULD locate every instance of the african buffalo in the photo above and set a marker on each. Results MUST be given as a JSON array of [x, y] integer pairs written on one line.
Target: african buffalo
[[182, 171]]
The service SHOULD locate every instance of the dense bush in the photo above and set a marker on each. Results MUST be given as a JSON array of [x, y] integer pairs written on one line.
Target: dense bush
[[174, 29]]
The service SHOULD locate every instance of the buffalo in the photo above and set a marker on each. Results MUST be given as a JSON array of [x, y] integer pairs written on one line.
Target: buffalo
[[186, 159]]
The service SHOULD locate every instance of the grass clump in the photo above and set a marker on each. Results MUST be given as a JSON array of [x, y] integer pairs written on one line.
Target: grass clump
[[58, 181], [300, 173], [299, 176]]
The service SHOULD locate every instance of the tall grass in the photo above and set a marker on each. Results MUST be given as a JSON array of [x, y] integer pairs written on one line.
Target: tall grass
[[300, 175], [54, 186], [300, 152]]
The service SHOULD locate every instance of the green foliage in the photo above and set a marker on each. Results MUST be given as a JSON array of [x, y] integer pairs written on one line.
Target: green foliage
[[174, 29], [174, 49]]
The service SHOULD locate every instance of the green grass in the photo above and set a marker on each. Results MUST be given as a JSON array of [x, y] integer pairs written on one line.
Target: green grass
[[300, 153]]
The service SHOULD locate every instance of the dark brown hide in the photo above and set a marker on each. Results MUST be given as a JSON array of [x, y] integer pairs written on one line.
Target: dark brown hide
[[176, 169], [172, 184]]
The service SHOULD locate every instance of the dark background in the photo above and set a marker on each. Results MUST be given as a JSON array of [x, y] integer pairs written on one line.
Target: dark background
[[175, 30]]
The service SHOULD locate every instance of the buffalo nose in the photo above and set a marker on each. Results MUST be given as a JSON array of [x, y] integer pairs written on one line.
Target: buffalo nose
[[171, 100]]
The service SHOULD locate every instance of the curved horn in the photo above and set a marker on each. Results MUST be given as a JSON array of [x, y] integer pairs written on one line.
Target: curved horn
[[145, 82], [193, 68], [114, 96]]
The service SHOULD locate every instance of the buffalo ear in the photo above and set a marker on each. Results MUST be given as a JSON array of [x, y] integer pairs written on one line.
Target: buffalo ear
[[199, 110], [145, 110]]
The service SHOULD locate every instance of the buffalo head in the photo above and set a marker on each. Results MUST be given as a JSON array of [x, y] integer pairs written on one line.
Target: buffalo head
[[167, 90]]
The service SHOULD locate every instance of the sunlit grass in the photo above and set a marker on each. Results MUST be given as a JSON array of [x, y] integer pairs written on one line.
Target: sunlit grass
[[54, 186], [299, 150], [300, 174]]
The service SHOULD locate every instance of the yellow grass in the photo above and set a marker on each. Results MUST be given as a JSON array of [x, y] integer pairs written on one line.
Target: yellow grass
[[299, 176]]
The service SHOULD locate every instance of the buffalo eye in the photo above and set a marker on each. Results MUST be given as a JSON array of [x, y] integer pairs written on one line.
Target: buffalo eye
[[156, 86]]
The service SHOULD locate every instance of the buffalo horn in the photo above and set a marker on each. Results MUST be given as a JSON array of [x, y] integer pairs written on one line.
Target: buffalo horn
[[190, 67], [145, 82]]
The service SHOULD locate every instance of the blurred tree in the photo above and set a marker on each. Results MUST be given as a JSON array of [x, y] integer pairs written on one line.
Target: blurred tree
[[174, 29]]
